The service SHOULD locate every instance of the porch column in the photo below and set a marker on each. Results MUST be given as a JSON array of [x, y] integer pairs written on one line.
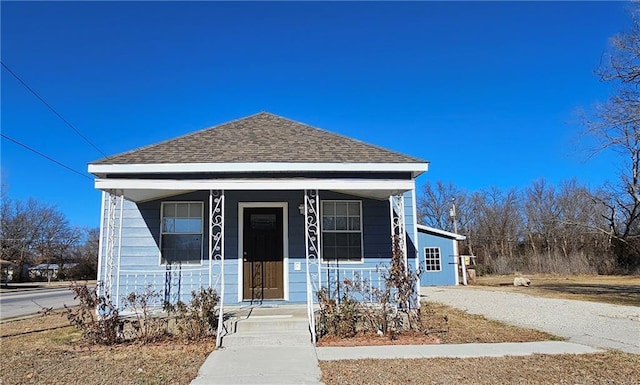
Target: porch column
[[216, 251], [398, 231], [312, 252], [110, 252]]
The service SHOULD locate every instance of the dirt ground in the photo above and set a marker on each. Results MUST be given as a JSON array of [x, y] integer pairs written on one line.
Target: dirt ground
[[614, 289], [449, 326], [600, 368], [611, 367], [44, 350], [57, 356]]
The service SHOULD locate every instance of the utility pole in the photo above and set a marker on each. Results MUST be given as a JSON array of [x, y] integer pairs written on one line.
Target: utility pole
[[453, 215]]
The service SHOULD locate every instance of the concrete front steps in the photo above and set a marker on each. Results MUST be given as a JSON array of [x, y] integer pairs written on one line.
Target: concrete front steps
[[263, 345], [285, 325]]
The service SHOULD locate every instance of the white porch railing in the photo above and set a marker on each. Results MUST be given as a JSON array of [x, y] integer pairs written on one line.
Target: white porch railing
[[369, 281], [172, 284]]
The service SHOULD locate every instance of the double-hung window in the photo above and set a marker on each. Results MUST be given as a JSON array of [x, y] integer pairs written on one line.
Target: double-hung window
[[342, 231], [432, 259], [181, 233]]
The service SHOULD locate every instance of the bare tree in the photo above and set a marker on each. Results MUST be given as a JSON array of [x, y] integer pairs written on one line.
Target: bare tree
[[436, 201], [497, 227], [85, 254], [615, 125], [33, 232], [541, 228]]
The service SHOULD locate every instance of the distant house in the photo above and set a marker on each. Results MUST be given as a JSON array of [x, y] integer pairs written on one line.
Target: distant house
[[438, 255], [49, 271], [261, 209]]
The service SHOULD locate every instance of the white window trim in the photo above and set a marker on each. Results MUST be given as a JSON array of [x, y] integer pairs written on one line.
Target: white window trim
[[201, 231], [361, 261], [439, 259]]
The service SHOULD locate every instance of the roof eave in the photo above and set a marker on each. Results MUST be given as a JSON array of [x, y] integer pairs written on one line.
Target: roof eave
[[416, 168], [447, 234]]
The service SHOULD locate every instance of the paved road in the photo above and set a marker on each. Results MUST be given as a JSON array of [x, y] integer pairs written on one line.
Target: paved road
[[23, 303], [588, 323]]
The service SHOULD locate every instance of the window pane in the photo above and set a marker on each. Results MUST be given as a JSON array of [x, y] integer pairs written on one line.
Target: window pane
[[432, 259], [169, 210], [342, 239], [355, 253], [354, 209], [328, 208], [168, 225], [328, 223], [195, 210], [341, 223], [182, 210], [263, 221], [329, 239], [181, 248], [354, 239], [328, 253], [342, 253], [188, 225], [342, 231], [341, 208]]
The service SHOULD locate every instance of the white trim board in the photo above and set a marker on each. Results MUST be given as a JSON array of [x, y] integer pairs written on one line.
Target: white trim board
[[396, 186], [164, 168], [441, 232]]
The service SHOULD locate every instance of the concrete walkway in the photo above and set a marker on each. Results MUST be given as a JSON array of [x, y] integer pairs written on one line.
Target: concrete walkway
[[266, 345], [452, 350]]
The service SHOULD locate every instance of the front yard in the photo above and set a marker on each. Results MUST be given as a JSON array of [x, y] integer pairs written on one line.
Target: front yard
[[56, 355], [610, 367], [601, 368], [45, 350]]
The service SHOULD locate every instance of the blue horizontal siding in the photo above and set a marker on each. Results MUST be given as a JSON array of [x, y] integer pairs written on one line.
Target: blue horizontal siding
[[140, 243], [447, 276]]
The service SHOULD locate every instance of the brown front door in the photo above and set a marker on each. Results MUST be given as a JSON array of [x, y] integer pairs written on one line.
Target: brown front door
[[263, 254]]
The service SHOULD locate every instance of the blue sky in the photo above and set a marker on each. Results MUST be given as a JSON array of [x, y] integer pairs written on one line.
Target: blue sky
[[485, 91]]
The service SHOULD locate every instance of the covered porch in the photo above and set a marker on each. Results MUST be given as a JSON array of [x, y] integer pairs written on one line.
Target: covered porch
[[386, 210]]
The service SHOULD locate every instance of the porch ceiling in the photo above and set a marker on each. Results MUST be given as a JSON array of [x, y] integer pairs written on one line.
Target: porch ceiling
[[140, 190]]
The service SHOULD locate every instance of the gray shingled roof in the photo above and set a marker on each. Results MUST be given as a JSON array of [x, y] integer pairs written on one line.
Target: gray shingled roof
[[259, 138]]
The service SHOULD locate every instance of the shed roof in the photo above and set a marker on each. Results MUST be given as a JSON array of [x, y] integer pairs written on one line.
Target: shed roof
[[440, 233], [260, 138]]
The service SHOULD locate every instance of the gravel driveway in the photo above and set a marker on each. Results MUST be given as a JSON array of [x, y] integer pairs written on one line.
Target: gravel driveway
[[588, 323]]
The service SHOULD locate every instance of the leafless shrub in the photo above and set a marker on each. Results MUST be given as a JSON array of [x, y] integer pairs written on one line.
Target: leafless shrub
[[199, 318], [96, 316], [146, 326]]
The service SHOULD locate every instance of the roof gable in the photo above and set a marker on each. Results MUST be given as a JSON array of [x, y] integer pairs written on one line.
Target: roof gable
[[260, 138]]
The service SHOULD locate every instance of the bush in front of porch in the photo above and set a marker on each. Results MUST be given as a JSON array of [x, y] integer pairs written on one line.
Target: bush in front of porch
[[101, 323], [353, 306]]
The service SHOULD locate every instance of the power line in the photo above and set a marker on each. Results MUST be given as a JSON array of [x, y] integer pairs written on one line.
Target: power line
[[52, 109], [45, 156]]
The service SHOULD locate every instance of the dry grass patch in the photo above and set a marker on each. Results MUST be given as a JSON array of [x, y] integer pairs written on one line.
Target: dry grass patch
[[463, 328], [58, 356], [448, 325], [614, 289], [600, 368]]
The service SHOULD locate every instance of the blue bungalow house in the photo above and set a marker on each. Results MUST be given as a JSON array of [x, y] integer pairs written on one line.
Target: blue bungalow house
[[438, 255], [262, 209]]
